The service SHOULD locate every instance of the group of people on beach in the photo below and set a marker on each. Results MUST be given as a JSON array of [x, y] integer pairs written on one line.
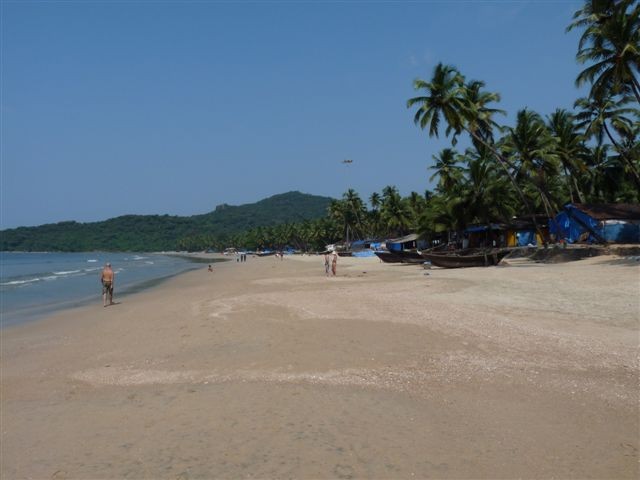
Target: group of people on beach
[[330, 263], [108, 276]]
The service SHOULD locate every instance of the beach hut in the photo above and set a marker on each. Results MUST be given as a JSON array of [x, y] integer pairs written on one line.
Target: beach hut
[[408, 242], [475, 236], [604, 223], [518, 232], [521, 231]]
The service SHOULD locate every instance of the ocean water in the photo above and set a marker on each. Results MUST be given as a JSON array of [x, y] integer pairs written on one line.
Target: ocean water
[[35, 284]]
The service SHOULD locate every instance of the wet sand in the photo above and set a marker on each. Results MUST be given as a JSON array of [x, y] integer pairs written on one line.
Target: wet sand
[[269, 369]]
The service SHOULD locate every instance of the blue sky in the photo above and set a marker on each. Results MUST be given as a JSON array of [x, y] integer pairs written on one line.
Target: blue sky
[[112, 108]]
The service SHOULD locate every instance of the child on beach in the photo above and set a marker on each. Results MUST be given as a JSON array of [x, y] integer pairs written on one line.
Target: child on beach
[[326, 264], [334, 263]]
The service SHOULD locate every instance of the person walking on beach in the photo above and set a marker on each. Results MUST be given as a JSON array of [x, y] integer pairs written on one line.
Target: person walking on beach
[[334, 263], [107, 278], [326, 264]]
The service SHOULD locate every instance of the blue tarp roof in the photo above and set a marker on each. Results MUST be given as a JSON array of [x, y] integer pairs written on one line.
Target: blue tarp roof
[[482, 228], [573, 225]]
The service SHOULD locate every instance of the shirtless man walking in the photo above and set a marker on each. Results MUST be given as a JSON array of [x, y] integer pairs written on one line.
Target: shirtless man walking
[[108, 279]]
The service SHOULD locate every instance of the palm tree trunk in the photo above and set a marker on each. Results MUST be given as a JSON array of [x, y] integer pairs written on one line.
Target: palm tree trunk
[[505, 165], [569, 181]]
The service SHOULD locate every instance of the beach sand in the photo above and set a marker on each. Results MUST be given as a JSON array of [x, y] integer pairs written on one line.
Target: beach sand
[[269, 369]]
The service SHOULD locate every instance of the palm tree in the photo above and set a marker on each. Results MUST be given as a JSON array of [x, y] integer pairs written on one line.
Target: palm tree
[[355, 210], [483, 187], [417, 205], [448, 97], [570, 150], [597, 115], [446, 169], [530, 146], [394, 212], [375, 200], [612, 41], [444, 100]]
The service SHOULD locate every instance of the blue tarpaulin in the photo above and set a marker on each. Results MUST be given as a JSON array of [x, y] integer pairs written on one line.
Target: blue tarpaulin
[[481, 228], [526, 237], [573, 225]]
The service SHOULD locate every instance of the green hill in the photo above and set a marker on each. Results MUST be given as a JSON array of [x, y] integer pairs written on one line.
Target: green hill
[[162, 232]]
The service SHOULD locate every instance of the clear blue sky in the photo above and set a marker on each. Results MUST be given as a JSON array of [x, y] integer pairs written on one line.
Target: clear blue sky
[[111, 108]]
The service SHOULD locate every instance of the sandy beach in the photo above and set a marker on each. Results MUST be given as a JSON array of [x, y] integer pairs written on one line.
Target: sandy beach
[[269, 369]]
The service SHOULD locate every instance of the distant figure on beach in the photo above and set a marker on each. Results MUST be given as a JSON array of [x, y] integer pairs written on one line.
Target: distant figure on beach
[[334, 263], [210, 268], [107, 278], [327, 264]]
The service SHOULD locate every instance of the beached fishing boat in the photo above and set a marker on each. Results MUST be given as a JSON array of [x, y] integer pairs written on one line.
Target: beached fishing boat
[[409, 256], [388, 257], [460, 260]]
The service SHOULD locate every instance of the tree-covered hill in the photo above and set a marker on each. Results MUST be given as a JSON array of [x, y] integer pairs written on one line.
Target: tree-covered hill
[[163, 232]]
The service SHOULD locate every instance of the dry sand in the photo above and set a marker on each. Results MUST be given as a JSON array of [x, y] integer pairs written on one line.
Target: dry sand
[[269, 369]]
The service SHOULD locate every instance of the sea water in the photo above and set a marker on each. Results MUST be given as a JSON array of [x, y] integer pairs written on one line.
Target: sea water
[[35, 284]]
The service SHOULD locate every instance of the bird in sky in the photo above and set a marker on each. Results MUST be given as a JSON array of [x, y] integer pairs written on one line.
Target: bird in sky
[[347, 161]]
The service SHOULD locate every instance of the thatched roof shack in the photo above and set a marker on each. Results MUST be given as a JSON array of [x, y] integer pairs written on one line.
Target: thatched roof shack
[[603, 223]]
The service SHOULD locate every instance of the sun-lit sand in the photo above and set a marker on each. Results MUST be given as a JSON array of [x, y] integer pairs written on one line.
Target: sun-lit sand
[[269, 369]]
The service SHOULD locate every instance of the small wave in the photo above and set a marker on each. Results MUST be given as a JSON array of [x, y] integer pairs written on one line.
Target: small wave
[[21, 282], [50, 277], [93, 260], [67, 272], [91, 269], [150, 263], [138, 257]]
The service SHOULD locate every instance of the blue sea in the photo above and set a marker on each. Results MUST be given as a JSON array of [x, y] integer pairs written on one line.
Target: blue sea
[[35, 284]]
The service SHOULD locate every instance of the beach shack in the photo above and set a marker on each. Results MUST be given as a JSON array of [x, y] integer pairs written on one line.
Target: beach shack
[[521, 231], [518, 232], [364, 248], [408, 242], [603, 223], [478, 236]]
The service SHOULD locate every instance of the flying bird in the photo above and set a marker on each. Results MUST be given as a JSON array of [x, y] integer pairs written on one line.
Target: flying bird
[[347, 161]]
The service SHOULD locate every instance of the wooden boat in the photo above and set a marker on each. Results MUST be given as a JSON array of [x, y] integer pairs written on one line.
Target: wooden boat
[[460, 260], [388, 257], [409, 256]]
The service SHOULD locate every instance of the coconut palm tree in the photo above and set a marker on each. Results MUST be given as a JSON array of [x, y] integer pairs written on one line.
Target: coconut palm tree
[[444, 100], [446, 169], [531, 149], [375, 200], [449, 98], [356, 210], [605, 116], [570, 150], [483, 186], [394, 212], [611, 40]]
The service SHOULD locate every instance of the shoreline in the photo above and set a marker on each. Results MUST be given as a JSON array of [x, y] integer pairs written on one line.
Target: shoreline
[[268, 368], [34, 313]]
